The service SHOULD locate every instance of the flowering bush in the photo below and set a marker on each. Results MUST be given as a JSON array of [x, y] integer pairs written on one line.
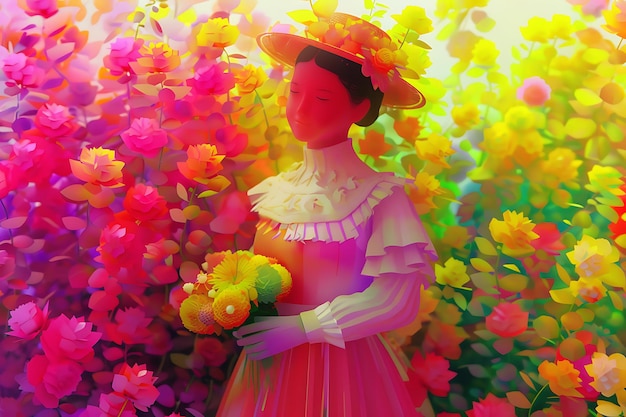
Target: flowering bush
[[125, 157]]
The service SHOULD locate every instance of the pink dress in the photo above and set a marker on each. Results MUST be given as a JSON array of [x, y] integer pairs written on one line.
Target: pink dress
[[358, 255]]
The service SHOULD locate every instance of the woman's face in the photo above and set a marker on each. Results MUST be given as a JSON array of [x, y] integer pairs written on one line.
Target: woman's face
[[319, 109]]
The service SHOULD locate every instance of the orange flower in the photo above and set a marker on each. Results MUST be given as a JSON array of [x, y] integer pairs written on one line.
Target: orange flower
[[156, 58], [608, 372], [409, 128], [231, 307], [196, 313], [562, 377], [98, 166], [615, 18], [249, 78], [515, 233], [202, 164], [436, 148], [374, 144], [426, 188]]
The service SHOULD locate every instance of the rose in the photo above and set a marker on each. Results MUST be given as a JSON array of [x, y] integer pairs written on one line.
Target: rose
[[145, 137], [45, 8], [21, 70], [534, 91], [52, 380], [123, 52], [491, 406], [137, 385], [67, 338], [434, 372], [507, 320], [27, 320], [212, 80], [54, 120], [202, 162], [144, 203]]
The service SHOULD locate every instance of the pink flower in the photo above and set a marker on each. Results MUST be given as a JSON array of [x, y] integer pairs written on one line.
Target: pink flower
[[212, 80], [115, 405], [52, 380], [45, 8], [55, 120], [7, 264], [130, 327], [137, 385], [21, 70], [144, 203], [507, 320], [123, 52], [534, 91], [145, 137], [212, 350], [28, 320], [492, 406], [592, 7], [67, 338]]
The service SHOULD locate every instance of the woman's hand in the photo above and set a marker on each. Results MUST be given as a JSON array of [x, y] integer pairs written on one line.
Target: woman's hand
[[269, 336]]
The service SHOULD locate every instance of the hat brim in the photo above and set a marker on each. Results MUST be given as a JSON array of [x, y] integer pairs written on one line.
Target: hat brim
[[285, 48]]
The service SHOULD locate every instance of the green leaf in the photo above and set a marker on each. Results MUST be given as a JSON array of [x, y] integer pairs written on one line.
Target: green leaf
[[485, 246], [460, 301], [546, 327], [608, 213], [486, 282], [512, 267], [513, 282]]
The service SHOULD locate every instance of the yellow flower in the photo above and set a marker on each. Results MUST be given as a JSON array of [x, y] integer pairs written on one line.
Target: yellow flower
[[563, 378], [520, 118], [499, 141], [414, 18], [532, 149], [436, 148], [236, 270], [605, 179], [593, 257], [426, 187], [466, 115], [590, 289], [468, 4], [615, 19], [231, 307], [608, 373], [217, 33], [453, 273], [418, 60], [98, 166], [561, 26], [196, 313], [538, 30], [515, 233], [561, 167], [249, 78], [485, 53], [156, 58]]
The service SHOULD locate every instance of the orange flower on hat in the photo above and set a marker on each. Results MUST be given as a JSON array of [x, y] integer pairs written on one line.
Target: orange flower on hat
[[382, 62]]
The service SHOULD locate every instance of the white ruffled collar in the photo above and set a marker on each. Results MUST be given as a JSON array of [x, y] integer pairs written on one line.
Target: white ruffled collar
[[324, 197]]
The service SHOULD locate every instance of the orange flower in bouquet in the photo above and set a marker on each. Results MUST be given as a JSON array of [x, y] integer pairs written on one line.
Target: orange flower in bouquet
[[231, 289]]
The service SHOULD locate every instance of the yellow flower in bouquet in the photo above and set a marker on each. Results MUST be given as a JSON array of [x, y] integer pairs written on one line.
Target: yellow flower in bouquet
[[232, 291]]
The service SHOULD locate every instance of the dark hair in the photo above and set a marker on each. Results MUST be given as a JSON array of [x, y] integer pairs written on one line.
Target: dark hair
[[349, 72]]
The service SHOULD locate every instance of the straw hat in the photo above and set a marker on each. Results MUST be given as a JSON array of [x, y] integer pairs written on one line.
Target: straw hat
[[357, 40]]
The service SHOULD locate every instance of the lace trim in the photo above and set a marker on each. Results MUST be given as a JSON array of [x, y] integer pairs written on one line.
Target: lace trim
[[332, 230]]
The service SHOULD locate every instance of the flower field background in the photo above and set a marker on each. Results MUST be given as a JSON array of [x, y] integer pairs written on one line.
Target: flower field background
[[130, 132]]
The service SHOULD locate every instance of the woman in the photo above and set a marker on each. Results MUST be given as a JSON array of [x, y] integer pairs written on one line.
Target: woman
[[356, 250]]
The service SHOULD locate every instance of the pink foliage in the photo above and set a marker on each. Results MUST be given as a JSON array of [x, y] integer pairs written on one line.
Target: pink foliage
[[136, 384], [55, 120], [28, 320], [21, 70], [69, 338], [123, 52]]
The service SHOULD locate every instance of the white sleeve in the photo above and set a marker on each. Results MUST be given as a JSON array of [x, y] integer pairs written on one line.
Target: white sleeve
[[399, 256]]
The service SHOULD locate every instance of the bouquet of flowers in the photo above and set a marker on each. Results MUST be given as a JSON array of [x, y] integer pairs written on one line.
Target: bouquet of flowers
[[231, 289]]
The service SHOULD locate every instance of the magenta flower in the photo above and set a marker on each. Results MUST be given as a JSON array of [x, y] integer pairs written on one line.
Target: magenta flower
[[52, 380], [212, 80], [145, 137], [137, 385], [130, 327], [123, 52], [55, 120], [21, 70], [67, 338], [44, 8], [534, 91], [114, 405], [27, 320]]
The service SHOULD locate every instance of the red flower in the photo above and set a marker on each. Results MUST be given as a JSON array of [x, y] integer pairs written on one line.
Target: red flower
[[212, 80], [145, 137], [137, 385], [67, 338], [491, 406], [123, 52], [434, 372], [144, 203], [55, 120], [507, 320], [130, 327], [115, 405], [28, 320], [45, 8], [212, 350], [52, 380]]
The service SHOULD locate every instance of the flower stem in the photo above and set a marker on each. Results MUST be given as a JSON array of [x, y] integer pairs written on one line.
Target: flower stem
[[532, 404], [122, 409]]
